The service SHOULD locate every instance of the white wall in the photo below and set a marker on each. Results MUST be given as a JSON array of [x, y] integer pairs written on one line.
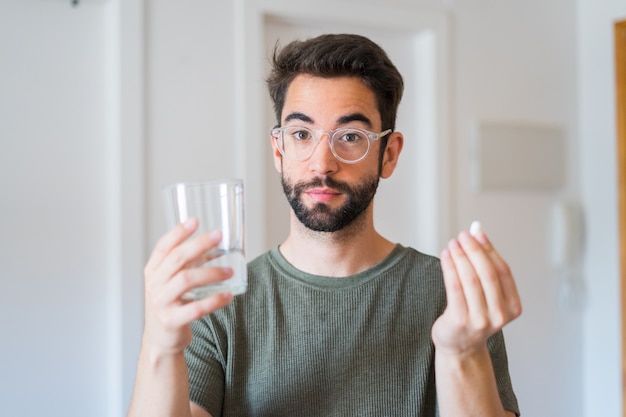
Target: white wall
[[56, 163], [190, 118], [515, 61], [598, 157]]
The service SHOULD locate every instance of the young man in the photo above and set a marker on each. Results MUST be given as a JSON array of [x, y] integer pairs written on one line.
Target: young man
[[337, 320]]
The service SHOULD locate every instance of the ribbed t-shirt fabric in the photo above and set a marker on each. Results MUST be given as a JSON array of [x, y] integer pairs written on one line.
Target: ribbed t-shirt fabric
[[297, 344]]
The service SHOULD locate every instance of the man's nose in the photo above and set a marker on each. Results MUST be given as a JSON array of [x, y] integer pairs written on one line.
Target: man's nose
[[323, 160]]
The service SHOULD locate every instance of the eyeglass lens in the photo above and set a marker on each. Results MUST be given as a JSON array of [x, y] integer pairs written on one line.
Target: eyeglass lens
[[299, 143]]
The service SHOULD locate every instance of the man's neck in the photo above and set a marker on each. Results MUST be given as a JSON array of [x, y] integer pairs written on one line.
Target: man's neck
[[346, 252]]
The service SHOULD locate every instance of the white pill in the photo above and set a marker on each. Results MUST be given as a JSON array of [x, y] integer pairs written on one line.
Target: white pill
[[475, 228]]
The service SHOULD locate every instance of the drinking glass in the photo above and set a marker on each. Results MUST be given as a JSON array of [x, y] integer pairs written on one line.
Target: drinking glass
[[217, 204]]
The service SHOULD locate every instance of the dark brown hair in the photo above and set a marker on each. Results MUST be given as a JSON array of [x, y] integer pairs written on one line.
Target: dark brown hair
[[337, 55]]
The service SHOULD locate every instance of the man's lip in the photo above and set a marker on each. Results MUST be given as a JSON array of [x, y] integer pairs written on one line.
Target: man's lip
[[322, 191], [322, 194]]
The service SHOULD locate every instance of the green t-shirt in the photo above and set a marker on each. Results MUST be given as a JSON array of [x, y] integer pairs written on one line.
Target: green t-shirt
[[297, 344]]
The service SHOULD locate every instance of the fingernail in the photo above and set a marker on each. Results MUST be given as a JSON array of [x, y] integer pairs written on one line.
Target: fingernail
[[189, 223], [453, 244], [215, 235], [464, 237], [482, 238]]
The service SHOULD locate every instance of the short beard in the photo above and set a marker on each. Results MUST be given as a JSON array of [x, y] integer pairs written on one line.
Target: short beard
[[321, 218]]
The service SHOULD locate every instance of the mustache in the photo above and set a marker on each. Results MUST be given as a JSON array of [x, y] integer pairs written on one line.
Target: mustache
[[319, 182]]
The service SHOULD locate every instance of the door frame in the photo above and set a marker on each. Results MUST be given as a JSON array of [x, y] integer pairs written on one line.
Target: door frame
[[250, 60]]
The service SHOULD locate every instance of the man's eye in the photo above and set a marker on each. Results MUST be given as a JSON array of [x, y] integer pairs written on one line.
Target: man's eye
[[351, 137], [301, 135]]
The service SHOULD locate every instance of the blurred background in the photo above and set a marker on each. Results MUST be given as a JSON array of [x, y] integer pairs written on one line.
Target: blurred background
[[509, 117]]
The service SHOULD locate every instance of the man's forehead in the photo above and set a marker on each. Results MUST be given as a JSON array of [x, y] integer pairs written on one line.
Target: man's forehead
[[338, 99]]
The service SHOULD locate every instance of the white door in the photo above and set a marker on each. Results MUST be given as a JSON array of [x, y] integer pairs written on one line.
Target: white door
[[407, 205]]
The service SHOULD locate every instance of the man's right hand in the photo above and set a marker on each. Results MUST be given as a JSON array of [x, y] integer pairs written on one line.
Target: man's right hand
[[173, 269]]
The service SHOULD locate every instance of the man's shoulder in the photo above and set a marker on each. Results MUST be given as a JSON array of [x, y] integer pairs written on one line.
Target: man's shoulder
[[416, 259], [261, 259]]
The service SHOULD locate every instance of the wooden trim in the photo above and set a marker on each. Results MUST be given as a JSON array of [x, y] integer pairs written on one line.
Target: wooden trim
[[620, 89]]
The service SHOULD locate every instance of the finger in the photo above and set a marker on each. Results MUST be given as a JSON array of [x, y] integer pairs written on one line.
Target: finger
[[170, 240], [455, 297], [499, 263], [470, 281], [181, 315], [189, 253], [483, 263], [190, 278], [500, 289]]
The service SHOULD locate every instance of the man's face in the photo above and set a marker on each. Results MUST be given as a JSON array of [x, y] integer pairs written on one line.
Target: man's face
[[326, 194]]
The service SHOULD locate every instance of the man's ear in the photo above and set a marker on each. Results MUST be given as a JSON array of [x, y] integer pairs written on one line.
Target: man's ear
[[392, 153], [278, 157]]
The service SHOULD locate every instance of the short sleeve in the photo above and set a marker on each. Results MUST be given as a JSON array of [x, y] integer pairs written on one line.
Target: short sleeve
[[205, 366], [500, 363]]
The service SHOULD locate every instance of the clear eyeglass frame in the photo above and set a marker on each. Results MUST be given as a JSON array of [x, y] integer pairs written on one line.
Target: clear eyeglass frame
[[279, 132]]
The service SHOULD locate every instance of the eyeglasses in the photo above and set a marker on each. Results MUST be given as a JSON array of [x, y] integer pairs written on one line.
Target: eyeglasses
[[348, 144]]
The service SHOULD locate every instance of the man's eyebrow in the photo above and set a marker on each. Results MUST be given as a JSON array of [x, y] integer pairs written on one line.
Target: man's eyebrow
[[354, 117], [298, 116]]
